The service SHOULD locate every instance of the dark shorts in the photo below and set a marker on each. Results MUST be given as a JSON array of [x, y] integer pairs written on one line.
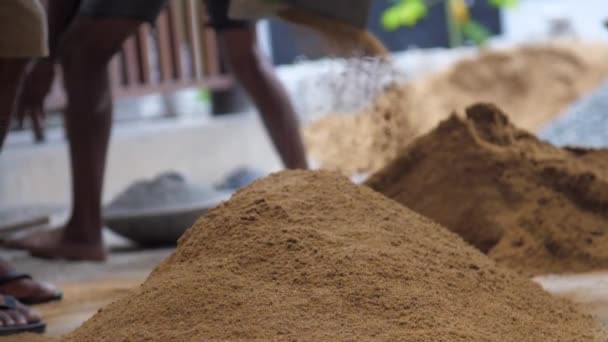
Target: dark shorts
[[218, 16], [143, 10]]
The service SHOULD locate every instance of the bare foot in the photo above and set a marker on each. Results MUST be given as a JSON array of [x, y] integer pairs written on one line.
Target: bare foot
[[24, 288], [67, 250], [35, 239], [52, 244], [30, 291], [13, 313]]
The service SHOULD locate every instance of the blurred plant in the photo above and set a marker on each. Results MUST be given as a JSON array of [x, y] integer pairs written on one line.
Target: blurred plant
[[404, 13], [503, 3], [461, 26]]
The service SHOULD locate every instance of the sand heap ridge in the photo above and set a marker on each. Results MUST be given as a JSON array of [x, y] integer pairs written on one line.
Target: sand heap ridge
[[310, 256], [527, 204], [531, 83]]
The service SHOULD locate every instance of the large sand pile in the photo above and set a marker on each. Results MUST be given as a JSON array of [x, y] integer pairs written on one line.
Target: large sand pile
[[310, 256], [535, 83], [527, 204]]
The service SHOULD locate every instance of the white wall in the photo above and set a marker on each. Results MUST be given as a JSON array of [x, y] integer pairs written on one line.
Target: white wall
[[529, 19]]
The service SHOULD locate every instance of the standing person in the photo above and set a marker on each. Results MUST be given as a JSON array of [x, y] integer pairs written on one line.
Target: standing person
[[84, 36], [22, 36]]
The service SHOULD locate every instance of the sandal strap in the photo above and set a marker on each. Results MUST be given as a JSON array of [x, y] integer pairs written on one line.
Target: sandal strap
[[8, 303], [12, 277]]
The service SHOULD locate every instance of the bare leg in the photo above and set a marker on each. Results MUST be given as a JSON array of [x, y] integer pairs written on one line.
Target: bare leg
[[257, 77], [11, 72], [85, 51]]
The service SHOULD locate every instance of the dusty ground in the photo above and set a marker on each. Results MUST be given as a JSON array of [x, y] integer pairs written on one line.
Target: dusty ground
[[90, 286]]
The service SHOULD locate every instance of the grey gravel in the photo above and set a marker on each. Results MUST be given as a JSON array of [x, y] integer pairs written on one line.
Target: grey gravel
[[584, 124]]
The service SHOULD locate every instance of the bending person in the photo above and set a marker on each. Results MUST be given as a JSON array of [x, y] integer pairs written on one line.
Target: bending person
[[84, 36]]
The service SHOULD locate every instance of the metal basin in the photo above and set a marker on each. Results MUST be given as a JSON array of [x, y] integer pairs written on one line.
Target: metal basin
[[160, 226]]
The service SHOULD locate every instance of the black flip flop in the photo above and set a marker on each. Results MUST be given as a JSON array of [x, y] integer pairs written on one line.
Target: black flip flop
[[10, 303], [14, 276]]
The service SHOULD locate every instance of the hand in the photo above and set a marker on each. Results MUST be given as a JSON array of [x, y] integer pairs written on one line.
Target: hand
[[36, 86]]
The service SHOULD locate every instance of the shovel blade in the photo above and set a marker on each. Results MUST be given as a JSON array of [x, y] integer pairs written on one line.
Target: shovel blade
[[353, 12]]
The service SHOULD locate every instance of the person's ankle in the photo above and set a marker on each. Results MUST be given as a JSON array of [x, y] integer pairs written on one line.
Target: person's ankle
[[79, 232], [82, 239]]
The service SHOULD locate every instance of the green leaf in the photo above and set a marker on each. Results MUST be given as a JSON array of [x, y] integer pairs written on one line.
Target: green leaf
[[404, 13], [476, 32]]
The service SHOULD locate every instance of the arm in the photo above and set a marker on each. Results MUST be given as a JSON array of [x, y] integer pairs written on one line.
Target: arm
[[39, 79]]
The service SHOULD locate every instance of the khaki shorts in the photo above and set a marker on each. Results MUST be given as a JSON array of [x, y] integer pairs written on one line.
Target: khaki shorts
[[23, 29]]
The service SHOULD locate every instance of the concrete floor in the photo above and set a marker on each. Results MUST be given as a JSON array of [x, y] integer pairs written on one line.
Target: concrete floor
[[123, 262], [82, 300], [88, 286]]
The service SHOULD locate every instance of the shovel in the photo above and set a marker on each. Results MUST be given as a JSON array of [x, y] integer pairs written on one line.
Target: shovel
[[352, 12]]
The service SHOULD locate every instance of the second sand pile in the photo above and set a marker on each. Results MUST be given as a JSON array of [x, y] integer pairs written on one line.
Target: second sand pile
[[527, 204], [533, 83], [305, 255]]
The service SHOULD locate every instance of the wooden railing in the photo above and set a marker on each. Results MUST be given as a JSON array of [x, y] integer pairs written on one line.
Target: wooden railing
[[179, 52]]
